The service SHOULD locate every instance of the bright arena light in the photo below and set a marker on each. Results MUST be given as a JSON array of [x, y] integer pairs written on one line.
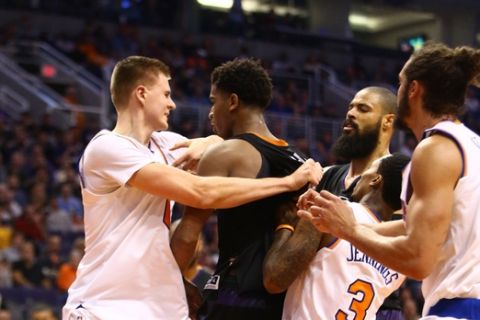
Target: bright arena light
[[221, 4], [359, 20]]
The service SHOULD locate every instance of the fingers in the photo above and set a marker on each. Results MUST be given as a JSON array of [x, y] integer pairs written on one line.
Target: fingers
[[328, 195], [314, 216], [182, 160], [306, 199], [181, 144], [314, 171], [317, 174], [305, 214], [191, 165]]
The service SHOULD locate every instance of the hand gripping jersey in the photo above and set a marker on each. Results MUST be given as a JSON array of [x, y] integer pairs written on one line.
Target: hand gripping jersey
[[457, 273], [341, 282]]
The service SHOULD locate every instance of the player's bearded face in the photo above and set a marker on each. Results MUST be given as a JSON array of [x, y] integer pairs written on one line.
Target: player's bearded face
[[357, 144]]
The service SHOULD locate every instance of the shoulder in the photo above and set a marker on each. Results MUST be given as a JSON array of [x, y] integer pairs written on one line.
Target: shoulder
[[437, 149], [168, 137], [230, 158], [234, 149], [436, 160], [112, 155]]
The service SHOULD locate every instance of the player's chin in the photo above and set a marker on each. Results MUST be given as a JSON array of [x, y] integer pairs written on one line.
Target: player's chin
[[163, 126]]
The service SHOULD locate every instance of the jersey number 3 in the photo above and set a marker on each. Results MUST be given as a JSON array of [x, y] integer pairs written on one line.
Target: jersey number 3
[[361, 306]]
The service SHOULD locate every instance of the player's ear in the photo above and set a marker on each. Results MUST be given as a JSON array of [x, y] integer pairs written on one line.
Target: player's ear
[[234, 101], [388, 121], [139, 93], [377, 181], [415, 89]]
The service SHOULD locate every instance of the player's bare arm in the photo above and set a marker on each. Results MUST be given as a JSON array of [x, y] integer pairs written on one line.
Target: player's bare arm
[[290, 255], [429, 213], [195, 149], [218, 192], [389, 228], [222, 160]]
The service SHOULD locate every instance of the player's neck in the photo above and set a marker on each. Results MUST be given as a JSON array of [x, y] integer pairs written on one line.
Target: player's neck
[[131, 127], [359, 165], [375, 203], [425, 120], [254, 123]]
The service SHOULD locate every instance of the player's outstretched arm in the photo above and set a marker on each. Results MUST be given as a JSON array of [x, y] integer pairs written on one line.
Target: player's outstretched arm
[[436, 168], [218, 192]]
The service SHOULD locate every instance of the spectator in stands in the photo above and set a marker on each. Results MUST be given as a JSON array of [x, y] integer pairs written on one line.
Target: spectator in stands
[[6, 280], [68, 270], [17, 165], [58, 220], [31, 223], [5, 235], [27, 272], [42, 312], [18, 194], [9, 208], [69, 202], [50, 260], [13, 252], [38, 195]]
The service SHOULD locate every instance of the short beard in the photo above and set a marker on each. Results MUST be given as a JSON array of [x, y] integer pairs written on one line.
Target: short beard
[[403, 112], [356, 145]]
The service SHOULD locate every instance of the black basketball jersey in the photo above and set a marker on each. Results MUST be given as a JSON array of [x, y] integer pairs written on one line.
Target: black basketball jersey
[[333, 180], [245, 235], [241, 226]]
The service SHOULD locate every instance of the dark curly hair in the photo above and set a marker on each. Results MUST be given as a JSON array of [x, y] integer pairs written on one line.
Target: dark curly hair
[[247, 79], [445, 73], [391, 168]]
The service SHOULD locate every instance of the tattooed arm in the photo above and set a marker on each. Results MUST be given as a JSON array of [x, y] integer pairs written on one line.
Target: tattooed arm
[[291, 252]]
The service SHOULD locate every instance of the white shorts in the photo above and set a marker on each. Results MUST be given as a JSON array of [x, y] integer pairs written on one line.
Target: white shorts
[[81, 313]]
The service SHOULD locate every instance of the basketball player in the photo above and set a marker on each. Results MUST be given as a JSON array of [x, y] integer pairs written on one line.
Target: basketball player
[[368, 129], [241, 90], [341, 282], [438, 241], [128, 270]]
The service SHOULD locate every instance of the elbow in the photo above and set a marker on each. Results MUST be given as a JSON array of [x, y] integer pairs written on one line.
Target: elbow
[[272, 286], [419, 269], [205, 202], [419, 272], [272, 280]]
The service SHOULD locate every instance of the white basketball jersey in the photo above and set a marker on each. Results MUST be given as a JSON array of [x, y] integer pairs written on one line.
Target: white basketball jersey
[[457, 273], [128, 270], [341, 282]]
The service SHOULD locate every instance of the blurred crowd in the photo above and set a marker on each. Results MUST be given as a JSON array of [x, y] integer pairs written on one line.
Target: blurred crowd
[[41, 229]]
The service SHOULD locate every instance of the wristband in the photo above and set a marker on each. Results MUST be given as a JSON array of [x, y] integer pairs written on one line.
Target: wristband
[[285, 226]]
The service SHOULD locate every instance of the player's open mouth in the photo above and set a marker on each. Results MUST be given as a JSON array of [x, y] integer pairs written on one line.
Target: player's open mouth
[[349, 126]]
